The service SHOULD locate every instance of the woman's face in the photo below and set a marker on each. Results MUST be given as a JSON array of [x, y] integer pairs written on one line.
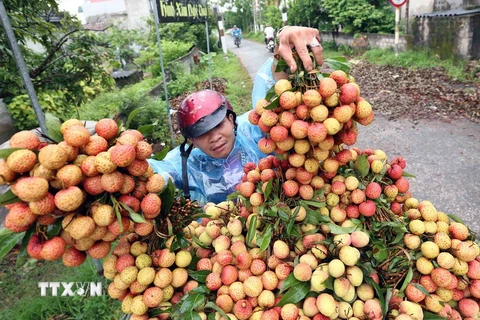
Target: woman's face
[[218, 142]]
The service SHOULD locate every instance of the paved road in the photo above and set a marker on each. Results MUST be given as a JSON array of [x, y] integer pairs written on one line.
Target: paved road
[[443, 156]]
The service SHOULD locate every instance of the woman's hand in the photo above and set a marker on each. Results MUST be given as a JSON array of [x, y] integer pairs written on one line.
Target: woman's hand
[[302, 39]]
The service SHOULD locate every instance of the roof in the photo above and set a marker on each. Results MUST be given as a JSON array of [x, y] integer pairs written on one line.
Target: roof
[[448, 13], [123, 73]]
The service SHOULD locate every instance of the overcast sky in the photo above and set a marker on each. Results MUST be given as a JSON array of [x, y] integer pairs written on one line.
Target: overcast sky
[[70, 5]]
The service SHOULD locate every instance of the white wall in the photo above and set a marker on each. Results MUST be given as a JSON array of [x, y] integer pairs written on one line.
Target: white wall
[[138, 11], [92, 8]]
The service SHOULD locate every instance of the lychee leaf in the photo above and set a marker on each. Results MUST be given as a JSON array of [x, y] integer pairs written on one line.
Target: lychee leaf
[[53, 124], [456, 218], [272, 105], [146, 130], [54, 229], [160, 155], [213, 306], [22, 254], [421, 288], [191, 315], [408, 175], [407, 280], [263, 241], [316, 204], [430, 316], [268, 189], [8, 240], [270, 93], [200, 275], [378, 291], [4, 153], [362, 165], [380, 252], [252, 229], [167, 196], [8, 198], [336, 229], [135, 216], [288, 283], [295, 294], [338, 63], [131, 116], [281, 65]]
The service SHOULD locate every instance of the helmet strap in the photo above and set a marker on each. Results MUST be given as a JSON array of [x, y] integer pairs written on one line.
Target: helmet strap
[[185, 154]]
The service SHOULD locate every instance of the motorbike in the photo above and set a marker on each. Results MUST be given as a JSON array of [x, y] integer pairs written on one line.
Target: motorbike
[[236, 41], [270, 44]]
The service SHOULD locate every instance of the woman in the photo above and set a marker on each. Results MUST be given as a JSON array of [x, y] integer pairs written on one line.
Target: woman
[[224, 143]]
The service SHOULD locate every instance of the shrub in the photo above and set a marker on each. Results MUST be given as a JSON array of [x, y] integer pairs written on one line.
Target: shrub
[[53, 102]]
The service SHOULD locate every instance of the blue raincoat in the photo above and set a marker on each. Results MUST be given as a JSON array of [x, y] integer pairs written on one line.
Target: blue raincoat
[[211, 179]]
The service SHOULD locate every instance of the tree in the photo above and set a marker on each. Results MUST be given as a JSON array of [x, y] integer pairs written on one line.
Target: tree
[[273, 15], [309, 13], [355, 16], [71, 58]]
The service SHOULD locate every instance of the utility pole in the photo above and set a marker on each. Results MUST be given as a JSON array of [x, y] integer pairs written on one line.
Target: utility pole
[[22, 68]]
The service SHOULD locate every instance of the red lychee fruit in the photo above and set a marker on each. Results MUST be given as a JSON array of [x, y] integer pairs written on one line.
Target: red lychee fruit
[[151, 205], [34, 247], [299, 129], [402, 185], [367, 208], [327, 87], [278, 133], [243, 309], [395, 171], [53, 249], [106, 128], [253, 117], [373, 190], [349, 93], [290, 188], [286, 119], [123, 155], [76, 136], [138, 167], [311, 98], [266, 145], [288, 100], [340, 77], [317, 132], [25, 140], [73, 257], [247, 188]]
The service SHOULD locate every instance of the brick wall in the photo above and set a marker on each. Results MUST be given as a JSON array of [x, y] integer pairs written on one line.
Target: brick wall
[[383, 41]]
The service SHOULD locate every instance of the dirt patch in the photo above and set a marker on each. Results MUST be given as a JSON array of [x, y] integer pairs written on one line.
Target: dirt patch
[[419, 94]]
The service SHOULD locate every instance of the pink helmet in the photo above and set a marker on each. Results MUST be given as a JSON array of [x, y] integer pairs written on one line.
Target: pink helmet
[[202, 111]]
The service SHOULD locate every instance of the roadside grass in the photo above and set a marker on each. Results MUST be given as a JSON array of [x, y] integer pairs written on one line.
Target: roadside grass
[[419, 59], [239, 88], [20, 295]]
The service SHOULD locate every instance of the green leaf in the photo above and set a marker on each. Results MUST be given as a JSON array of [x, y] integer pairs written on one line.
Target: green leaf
[[316, 204], [270, 93], [431, 316], [252, 229], [23, 255], [268, 189], [131, 116], [263, 241], [362, 165], [136, 217], [167, 196], [408, 279], [4, 153], [380, 252], [8, 198], [191, 302], [408, 175], [53, 127], [288, 282], [199, 275], [191, 315], [281, 65], [295, 294], [378, 290], [213, 306], [336, 229], [272, 105], [146, 130], [338, 63], [160, 155], [8, 240], [455, 218], [54, 229]]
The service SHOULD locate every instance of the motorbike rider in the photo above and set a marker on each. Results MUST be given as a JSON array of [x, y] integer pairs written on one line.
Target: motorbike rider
[[223, 142], [236, 32], [269, 33]]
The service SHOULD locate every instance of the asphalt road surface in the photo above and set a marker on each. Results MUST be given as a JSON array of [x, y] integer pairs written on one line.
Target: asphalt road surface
[[444, 157]]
